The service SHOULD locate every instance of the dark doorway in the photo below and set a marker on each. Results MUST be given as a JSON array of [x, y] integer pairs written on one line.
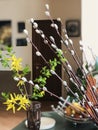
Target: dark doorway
[[53, 83]]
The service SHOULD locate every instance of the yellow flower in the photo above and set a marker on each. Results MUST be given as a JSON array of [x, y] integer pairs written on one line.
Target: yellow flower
[[16, 63], [15, 101], [11, 103], [11, 106], [20, 83], [42, 93], [23, 102]]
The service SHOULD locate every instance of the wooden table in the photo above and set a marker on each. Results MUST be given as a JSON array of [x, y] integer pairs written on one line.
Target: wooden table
[[61, 123]]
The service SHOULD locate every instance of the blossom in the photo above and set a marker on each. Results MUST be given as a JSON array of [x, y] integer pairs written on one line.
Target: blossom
[[16, 63], [42, 93], [20, 83], [11, 103], [20, 80], [23, 101], [16, 100]]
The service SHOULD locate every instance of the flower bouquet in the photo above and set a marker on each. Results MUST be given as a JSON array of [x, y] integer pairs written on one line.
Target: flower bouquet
[[81, 104]]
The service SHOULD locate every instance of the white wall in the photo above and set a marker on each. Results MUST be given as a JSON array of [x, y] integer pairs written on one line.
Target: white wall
[[90, 25]]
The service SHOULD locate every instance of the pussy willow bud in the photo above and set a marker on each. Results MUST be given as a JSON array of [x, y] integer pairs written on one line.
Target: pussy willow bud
[[81, 48], [66, 36], [81, 43], [24, 79], [45, 41], [82, 88], [16, 78], [61, 41], [76, 94], [38, 53], [25, 31], [72, 52], [43, 36], [70, 41], [28, 39], [52, 39], [32, 20], [44, 88], [69, 66], [56, 26], [47, 13], [52, 25], [52, 72], [64, 83], [58, 19], [37, 31], [35, 25], [31, 82], [54, 46], [47, 6], [36, 86], [66, 42]]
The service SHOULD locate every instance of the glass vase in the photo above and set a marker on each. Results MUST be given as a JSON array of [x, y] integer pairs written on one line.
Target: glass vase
[[34, 115]]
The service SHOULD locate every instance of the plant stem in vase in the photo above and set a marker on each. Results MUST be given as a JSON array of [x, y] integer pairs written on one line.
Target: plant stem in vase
[[33, 115]]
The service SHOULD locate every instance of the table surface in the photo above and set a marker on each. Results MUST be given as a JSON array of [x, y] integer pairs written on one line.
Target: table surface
[[61, 123]]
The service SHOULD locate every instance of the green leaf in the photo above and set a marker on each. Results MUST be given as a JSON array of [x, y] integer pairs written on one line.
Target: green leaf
[[60, 56], [5, 62], [53, 63], [26, 70], [41, 80], [5, 95], [45, 72]]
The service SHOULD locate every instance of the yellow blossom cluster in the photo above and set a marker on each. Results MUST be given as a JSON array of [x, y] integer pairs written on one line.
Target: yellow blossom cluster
[[18, 100], [16, 64]]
